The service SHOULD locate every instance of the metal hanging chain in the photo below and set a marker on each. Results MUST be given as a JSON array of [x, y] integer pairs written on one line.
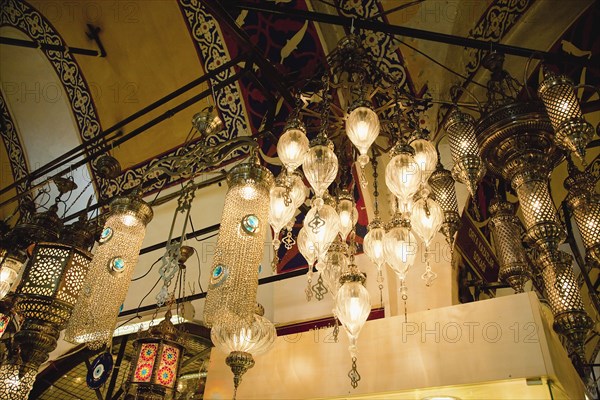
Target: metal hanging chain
[[374, 163], [326, 110]]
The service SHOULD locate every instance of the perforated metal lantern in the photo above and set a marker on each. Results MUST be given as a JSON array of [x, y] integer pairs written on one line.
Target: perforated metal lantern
[[584, 204], [468, 166], [444, 192], [572, 131], [506, 232], [158, 354], [562, 291], [47, 293]]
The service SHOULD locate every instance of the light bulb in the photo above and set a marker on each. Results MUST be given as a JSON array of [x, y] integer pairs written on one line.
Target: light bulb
[[320, 167], [374, 247], [348, 216], [322, 226]]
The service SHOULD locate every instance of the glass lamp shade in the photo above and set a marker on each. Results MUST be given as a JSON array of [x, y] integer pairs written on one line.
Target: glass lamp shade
[[240, 246], [16, 381], [322, 226], [320, 167], [9, 271], [298, 190], [293, 145], [425, 156], [254, 336], [403, 177], [106, 285], [158, 356], [348, 216], [362, 128], [573, 132], [352, 307], [373, 245], [306, 247], [468, 166], [400, 249], [426, 218], [279, 212]]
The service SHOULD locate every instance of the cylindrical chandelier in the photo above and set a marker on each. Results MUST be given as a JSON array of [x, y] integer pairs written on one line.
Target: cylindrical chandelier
[[240, 246], [105, 288], [506, 232]]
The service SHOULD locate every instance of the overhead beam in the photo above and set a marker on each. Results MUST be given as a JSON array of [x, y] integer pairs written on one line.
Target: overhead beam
[[377, 26], [47, 46]]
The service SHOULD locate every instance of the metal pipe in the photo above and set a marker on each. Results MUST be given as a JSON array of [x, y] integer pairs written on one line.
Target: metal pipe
[[167, 114], [74, 152], [268, 8], [47, 46]]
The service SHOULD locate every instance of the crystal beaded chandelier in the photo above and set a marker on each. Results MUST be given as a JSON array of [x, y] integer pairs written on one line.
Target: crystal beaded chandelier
[[95, 314]]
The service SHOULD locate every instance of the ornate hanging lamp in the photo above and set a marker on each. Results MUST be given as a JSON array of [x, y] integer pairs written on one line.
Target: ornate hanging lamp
[[444, 193], [362, 128], [426, 220], [584, 204], [347, 213], [403, 175], [293, 144], [468, 165], [242, 341], [426, 155], [352, 308], [506, 233], [400, 247], [157, 357], [240, 246], [281, 211], [562, 291], [47, 293], [105, 288], [572, 131], [335, 264]]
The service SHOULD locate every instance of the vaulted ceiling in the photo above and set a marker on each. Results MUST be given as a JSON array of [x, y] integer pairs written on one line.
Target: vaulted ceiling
[[158, 63]]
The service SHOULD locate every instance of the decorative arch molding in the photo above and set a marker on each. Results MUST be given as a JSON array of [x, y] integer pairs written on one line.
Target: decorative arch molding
[[22, 16], [212, 52], [14, 148]]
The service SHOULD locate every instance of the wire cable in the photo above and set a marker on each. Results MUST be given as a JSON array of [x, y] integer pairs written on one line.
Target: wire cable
[[147, 272]]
